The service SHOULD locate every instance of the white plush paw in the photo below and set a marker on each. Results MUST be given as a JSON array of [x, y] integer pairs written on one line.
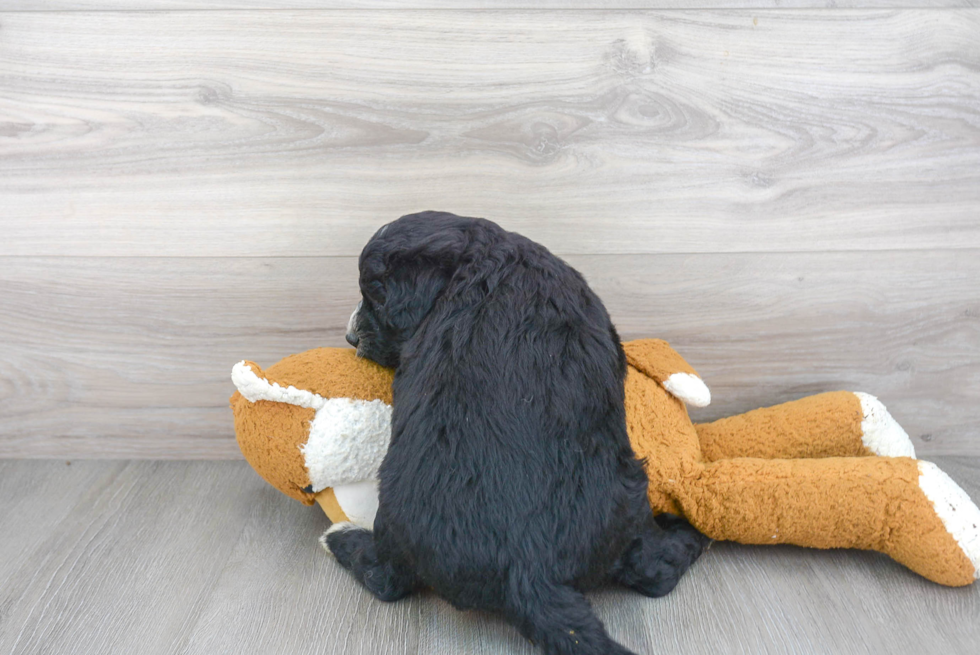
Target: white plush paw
[[881, 434], [689, 389], [953, 506]]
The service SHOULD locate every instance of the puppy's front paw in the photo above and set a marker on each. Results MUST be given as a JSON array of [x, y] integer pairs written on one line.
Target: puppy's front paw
[[341, 541]]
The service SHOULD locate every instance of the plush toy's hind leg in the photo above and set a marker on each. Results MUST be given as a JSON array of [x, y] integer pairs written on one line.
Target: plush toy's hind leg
[[355, 550], [658, 558], [835, 424], [907, 509]]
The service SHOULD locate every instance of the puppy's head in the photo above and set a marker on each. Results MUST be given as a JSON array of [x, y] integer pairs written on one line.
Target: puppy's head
[[403, 270]]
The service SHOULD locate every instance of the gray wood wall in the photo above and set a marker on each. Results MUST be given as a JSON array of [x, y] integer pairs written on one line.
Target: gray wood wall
[[791, 197]]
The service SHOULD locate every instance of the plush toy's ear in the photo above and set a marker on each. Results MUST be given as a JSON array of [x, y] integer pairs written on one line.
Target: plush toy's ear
[[270, 433], [657, 360]]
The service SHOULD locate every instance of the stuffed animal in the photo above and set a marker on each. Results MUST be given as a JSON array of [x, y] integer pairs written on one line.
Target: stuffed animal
[[828, 471]]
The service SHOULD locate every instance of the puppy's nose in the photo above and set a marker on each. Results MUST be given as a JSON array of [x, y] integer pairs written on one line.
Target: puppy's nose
[[352, 339]]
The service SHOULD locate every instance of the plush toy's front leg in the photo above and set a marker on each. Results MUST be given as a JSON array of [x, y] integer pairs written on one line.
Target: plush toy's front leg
[[905, 508], [835, 424]]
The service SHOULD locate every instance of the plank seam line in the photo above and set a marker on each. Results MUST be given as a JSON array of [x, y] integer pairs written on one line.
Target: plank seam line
[[690, 253], [513, 9]]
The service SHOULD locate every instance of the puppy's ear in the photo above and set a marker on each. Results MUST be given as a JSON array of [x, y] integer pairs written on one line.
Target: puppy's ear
[[442, 249], [418, 274], [407, 273], [390, 251], [411, 291]]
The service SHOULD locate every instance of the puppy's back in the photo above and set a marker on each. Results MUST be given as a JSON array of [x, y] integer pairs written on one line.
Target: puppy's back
[[509, 460]]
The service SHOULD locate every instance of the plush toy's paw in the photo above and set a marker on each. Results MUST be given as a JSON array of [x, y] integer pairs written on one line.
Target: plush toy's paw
[[689, 389], [881, 434], [960, 516]]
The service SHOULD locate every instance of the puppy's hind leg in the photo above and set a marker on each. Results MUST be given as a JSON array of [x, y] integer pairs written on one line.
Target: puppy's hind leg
[[560, 621], [355, 550], [664, 550]]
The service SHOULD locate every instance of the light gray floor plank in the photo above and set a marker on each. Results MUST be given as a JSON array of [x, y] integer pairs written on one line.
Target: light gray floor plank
[[129, 564], [280, 593], [296, 133], [204, 557], [130, 357], [156, 5]]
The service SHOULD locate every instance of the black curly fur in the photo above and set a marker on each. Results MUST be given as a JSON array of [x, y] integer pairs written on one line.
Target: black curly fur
[[510, 484]]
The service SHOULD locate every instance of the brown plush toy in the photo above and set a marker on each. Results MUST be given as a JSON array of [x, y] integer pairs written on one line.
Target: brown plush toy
[[828, 471]]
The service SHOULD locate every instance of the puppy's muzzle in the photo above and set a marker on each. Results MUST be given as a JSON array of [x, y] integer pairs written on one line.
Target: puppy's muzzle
[[351, 336]]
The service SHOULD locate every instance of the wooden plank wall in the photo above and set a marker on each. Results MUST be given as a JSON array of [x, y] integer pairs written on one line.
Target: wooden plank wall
[[791, 197]]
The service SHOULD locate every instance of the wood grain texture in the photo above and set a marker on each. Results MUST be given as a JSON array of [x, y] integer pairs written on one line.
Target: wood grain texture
[[204, 557], [286, 133], [131, 357], [207, 5]]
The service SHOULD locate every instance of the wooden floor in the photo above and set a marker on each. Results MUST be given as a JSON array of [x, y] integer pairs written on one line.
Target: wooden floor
[[204, 557]]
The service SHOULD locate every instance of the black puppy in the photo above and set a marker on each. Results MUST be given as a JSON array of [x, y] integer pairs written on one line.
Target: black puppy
[[510, 484]]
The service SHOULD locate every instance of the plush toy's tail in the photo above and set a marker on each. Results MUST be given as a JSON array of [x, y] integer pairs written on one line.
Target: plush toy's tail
[[658, 361]]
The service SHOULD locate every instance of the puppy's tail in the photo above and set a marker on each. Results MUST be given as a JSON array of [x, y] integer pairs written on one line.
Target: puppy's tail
[[559, 619]]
